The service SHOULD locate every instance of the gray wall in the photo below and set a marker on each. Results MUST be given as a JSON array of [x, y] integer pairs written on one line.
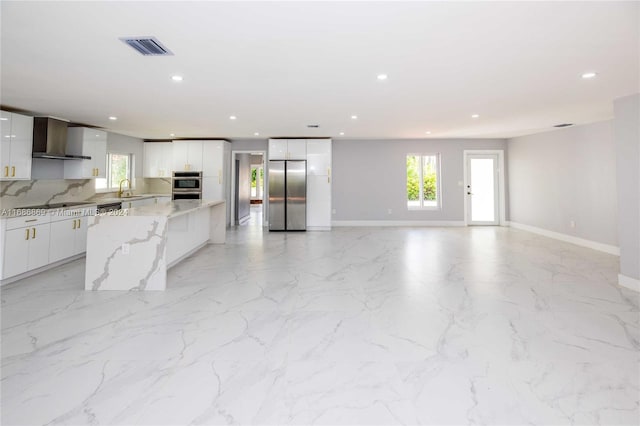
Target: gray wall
[[244, 185], [369, 177], [566, 175], [127, 145], [627, 145]]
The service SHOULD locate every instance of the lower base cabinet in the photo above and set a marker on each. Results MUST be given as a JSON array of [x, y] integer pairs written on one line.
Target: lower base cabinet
[[25, 249], [68, 238], [318, 202]]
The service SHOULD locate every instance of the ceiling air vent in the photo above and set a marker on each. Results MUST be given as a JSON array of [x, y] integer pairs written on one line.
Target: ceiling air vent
[[148, 46], [563, 125]]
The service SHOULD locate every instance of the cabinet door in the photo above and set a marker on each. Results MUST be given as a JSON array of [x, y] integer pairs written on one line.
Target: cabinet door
[[5, 144], [297, 149], [180, 156], [194, 158], [212, 158], [99, 155], [21, 146], [39, 246], [62, 239], [319, 157], [151, 155], [277, 149], [212, 189], [16, 251], [165, 159], [318, 201], [81, 235]]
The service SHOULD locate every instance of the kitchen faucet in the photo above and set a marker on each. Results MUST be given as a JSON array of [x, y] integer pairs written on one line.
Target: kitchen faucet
[[120, 188]]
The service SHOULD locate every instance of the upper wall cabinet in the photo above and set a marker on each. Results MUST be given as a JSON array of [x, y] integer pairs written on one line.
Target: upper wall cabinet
[[287, 149], [158, 159], [16, 142], [88, 142], [187, 156]]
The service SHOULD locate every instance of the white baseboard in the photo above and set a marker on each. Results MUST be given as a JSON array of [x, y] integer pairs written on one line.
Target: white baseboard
[[628, 282], [398, 223], [606, 248]]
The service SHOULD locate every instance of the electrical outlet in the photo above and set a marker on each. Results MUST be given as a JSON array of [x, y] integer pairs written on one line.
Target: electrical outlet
[[572, 223], [125, 248], [389, 211]]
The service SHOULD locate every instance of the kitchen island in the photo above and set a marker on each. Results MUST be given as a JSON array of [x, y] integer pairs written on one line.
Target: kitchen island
[[131, 249]]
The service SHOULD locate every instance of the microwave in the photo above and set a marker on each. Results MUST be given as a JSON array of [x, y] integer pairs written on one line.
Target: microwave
[[186, 185]]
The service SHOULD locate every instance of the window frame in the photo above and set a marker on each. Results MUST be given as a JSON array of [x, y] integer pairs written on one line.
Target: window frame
[[130, 173], [438, 167]]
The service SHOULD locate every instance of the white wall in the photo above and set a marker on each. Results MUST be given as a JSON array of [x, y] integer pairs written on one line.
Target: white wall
[[627, 144], [370, 177], [563, 175]]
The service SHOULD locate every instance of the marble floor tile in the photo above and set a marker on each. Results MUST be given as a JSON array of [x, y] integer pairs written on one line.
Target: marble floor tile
[[355, 326]]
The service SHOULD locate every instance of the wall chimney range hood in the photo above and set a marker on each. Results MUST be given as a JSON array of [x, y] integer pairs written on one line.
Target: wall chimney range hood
[[50, 140]]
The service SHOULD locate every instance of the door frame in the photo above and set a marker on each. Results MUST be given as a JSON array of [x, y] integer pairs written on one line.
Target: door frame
[[265, 201], [501, 183]]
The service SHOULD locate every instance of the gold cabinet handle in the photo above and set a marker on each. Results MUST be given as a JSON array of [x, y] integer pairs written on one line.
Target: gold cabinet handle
[[74, 224], [97, 171], [328, 171], [328, 179], [220, 177], [33, 232], [13, 171], [79, 223], [27, 236], [6, 171]]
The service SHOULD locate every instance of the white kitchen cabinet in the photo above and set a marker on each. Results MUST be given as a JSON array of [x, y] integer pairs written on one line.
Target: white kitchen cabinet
[[69, 234], [319, 157], [158, 159], [318, 203], [16, 142], [25, 249], [319, 184], [88, 142], [287, 149], [187, 156], [213, 158]]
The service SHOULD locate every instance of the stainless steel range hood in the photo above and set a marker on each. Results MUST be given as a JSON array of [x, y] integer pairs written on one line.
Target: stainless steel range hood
[[50, 140]]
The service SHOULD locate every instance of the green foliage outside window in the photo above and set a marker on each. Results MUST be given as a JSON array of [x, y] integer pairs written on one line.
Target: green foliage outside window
[[430, 179]]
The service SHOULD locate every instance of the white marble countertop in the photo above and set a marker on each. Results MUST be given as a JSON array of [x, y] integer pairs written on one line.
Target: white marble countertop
[[170, 209]]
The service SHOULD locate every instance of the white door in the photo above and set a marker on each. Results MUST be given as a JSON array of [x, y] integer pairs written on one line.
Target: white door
[[482, 189]]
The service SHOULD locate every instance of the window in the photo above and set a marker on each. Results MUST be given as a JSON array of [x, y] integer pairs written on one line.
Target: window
[[423, 181], [118, 168]]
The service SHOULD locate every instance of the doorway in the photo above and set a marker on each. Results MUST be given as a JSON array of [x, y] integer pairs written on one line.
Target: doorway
[[484, 187], [248, 200]]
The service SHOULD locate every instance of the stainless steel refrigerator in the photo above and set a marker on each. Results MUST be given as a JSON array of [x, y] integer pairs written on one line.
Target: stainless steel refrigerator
[[287, 195]]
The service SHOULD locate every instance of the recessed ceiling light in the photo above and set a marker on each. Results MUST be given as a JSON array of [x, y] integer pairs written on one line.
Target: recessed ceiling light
[[113, 118], [354, 117], [382, 76], [176, 78], [172, 134], [232, 117], [589, 74], [427, 133], [475, 116], [256, 134], [341, 133]]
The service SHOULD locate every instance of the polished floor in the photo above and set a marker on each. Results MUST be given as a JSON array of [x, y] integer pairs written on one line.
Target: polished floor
[[354, 326]]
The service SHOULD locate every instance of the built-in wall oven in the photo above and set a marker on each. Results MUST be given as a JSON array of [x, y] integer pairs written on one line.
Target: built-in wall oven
[[186, 186]]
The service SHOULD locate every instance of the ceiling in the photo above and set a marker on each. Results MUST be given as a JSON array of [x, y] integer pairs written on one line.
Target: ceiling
[[279, 66]]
